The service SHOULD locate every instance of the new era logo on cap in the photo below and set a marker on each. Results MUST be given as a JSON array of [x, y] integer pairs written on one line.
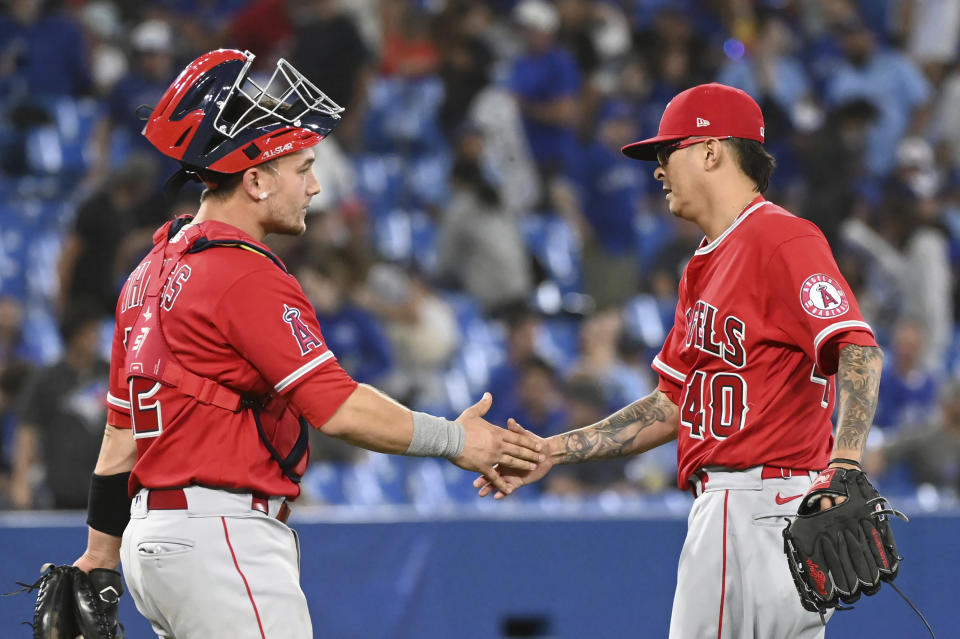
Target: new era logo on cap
[[701, 122]]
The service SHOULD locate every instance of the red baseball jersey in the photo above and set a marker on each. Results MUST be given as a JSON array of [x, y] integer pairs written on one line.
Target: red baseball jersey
[[234, 316], [747, 360]]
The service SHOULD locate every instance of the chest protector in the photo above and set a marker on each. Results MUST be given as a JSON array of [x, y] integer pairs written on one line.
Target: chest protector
[[152, 369]]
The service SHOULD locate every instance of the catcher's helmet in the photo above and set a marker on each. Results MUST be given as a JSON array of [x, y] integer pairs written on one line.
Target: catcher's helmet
[[215, 119]]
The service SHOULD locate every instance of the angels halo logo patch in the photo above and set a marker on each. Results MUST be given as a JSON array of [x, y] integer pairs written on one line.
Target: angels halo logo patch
[[822, 297]]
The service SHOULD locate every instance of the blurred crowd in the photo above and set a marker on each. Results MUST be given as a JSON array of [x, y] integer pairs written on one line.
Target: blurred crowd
[[478, 228]]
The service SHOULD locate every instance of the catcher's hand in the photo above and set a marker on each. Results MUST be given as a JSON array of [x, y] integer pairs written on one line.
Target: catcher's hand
[[71, 602], [845, 550]]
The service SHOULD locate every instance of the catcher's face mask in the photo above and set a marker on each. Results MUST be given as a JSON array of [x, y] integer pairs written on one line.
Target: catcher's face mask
[[216, 118]]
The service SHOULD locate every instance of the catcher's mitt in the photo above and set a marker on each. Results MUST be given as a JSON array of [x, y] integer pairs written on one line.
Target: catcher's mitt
[[70, 603], [844, 551]]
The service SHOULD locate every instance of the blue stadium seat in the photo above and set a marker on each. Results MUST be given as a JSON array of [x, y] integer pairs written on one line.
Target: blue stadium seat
[[15, 232], [380, 182], [645, 320], [323, 482], [559, 341], [483, 348], [427, 484], [653, 232], [551, 239]]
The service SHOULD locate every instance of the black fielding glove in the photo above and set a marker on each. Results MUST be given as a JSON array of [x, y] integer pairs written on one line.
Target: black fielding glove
[[96, 599], [842, 552], [70, 603], [53, 616]]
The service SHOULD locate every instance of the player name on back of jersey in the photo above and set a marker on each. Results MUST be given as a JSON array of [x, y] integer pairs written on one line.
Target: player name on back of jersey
[[705, 334]]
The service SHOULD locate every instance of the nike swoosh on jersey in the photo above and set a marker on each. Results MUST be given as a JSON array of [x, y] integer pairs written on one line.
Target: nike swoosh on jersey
[[782, 500]]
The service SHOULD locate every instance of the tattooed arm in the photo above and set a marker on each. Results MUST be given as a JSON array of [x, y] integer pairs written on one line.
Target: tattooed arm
[[644, 424], [858, 383]]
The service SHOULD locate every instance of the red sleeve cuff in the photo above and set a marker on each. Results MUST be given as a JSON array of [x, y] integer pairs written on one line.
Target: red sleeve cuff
[[319, 395], [671, 388], [117, 419], [829, 355]]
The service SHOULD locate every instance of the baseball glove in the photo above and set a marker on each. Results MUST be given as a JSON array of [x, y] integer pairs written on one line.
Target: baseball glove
[[71, 602], [844, 551]]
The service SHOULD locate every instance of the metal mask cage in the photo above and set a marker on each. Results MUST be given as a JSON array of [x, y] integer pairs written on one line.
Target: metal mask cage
[[287, 97]]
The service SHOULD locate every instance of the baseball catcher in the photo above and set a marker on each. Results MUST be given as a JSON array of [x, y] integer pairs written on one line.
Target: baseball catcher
[[838, 553], [72, 603]]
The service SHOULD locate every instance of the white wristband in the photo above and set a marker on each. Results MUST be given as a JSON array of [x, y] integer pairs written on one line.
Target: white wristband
[[435, 437]]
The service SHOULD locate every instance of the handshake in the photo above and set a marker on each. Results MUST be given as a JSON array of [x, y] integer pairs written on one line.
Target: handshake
[[505, 458]]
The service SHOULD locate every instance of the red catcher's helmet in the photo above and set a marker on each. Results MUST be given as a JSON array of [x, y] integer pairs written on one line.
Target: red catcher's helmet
[[215, 119]]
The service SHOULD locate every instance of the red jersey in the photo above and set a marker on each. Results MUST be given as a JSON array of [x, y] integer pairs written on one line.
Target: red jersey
[[745, 360], [234, 316]]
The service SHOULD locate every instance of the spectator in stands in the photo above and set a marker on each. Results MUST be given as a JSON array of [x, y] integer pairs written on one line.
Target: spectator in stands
[[668, 265], [465, 58], [14, 371], [523, 330], [908, 389], [610, 191], [203, 25], [61, 417], [912, 253], [888, 79], [43, 53], [328, 49], [422, 328], [144, 84], [675, 53], [481, 248], [930, 452], [264, 27], [409, 46], [354, 334], [833, 163], [14, 368], [546, 82], [770, 73], [540, 403], [494, 136], [599, 358], [108, 231], [11, 330], [103, 30], [597, 34], [777, 80]]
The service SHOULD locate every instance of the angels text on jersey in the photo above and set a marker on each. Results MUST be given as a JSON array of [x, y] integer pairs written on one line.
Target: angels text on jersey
[[720, 339]]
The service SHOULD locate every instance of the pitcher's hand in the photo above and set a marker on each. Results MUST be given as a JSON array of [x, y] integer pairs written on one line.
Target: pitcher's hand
[[515, 477], [489, 449]]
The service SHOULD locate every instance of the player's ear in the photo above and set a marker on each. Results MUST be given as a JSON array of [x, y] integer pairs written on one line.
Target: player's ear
[[713, 151], [251, 183]]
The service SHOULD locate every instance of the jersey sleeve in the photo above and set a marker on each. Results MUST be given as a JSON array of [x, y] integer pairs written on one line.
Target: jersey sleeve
[[118, 392], [270, 322], [812, 303]]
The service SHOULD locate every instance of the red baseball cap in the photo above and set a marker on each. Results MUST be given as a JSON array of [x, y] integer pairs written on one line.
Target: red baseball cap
[[714, 110]]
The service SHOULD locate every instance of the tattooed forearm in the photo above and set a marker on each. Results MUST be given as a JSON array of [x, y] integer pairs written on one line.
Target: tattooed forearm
[[858, 381], [626, 432]]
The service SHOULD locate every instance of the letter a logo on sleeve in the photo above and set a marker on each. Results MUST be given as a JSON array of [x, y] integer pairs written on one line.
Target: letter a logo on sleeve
[[305, 337], [822, 297]]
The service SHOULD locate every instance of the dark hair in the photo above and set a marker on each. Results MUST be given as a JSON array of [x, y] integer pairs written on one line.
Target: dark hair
[[227, 183], [469, 173], [535, 363], [754, 161]]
